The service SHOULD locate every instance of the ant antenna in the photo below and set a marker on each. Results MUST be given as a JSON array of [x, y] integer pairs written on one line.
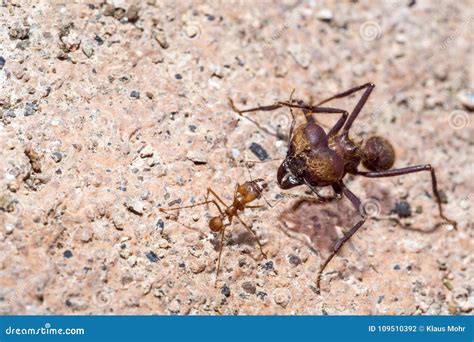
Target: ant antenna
[[266, 130]]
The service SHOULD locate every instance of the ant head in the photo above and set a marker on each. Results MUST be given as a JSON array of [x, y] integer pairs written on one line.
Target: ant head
[[260, 184], [216, 224], [252, 190], [309, 159], [378, 154]]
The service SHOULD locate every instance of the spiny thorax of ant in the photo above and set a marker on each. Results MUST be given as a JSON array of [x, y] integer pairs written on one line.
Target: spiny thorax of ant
[[349, 150]]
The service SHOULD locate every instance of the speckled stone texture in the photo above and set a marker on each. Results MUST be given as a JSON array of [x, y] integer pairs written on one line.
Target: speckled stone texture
[[109, 111]]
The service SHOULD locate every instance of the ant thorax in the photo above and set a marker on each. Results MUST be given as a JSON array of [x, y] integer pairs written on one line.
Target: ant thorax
[[350, 151]]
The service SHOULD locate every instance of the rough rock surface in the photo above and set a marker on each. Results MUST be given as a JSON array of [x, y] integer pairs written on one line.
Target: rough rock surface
[[109, 111]]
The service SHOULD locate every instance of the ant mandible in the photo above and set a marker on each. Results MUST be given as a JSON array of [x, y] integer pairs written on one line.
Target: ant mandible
[[319, 159], [243, 195]]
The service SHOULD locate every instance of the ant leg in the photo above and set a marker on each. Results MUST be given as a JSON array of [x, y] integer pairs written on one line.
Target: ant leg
[[325, 199], [320, 199], [355, 112], [310, 109], [220, 253], [413, 169], [190, 206], [347, 93], [357, 205], [337, 127], [209, 190], [253, 234], [268, 108]]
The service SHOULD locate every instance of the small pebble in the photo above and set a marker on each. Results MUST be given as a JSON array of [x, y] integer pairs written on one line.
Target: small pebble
[[67, 254], [466, 97], [57, 156], [268, 265], [7, 202], [178, 76], [192, 31], [163, 244], [235, 153], [174, 306], [118, 221], [135, 94], [197, 266], [86, 235], [135, 206], [324, 15], [132, 14], [2, 62], [262, 295], [197, 157], [282, 297], [174, 202], [9, 228], [160, 224], [225, 290], [161, 39], [152, 256], [19, 33], [249, 287], [294, 260], [259, 151], [146, 151], [87, 48], [192, 128], [440, 72], [30, 108], [98, 40], [402, 209]]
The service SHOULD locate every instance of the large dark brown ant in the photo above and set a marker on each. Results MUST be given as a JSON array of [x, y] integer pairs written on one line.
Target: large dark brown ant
[[319, 159], [243, 195]]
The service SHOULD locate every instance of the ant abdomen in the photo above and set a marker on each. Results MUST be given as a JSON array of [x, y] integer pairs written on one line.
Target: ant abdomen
[[216, 224], [378, 154]]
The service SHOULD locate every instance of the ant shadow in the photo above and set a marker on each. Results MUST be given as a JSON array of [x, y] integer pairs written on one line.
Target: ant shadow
[[320, 225], [236, 238], [315, 224]]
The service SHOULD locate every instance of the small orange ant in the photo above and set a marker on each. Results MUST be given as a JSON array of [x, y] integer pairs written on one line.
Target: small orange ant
[[243, 195]]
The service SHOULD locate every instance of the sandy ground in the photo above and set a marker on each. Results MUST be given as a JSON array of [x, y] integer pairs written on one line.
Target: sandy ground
[[109, 112]]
